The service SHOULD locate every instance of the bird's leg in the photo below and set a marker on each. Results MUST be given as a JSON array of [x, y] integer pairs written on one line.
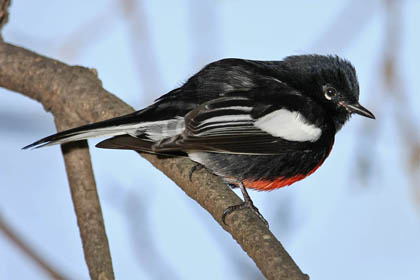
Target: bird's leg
[[193, 169], [246, 204]]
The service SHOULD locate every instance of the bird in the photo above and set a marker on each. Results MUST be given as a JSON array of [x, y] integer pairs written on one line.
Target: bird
[[258, 125]]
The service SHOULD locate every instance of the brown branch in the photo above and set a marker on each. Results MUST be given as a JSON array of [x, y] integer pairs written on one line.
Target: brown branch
[[86, 205], [75, 93], [24, 247], [33, 72]]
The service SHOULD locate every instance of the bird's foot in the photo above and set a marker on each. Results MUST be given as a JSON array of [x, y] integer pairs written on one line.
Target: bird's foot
[[246, 204], [193, 169]]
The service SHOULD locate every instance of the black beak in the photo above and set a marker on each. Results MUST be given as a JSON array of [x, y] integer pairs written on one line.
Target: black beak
[[359, 109]]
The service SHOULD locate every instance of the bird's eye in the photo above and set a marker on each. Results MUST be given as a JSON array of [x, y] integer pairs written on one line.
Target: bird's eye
[[330, 92]]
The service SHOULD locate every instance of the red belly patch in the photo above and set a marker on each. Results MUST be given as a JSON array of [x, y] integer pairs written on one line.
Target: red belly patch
[[267, 185]]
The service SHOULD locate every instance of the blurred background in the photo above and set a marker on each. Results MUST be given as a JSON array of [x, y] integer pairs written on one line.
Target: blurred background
[[357, 217]]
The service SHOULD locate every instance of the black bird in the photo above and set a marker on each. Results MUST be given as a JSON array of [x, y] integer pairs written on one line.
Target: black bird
[[257, 124]]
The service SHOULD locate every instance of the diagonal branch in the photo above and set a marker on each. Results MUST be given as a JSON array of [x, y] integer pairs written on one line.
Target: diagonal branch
[[30, 252], [76, 94]]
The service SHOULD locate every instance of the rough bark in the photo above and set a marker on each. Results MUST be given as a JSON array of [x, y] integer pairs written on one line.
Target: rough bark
[[74, 95], [87, 206]]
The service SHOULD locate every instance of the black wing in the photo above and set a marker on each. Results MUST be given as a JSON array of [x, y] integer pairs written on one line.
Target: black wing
[[227, 125], [215, 80]]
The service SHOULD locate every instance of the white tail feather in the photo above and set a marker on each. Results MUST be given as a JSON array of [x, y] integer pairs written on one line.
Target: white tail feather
[[96, 132], [155, 131]]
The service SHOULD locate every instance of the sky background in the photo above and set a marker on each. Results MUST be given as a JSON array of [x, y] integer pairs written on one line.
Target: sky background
[[357, 217]]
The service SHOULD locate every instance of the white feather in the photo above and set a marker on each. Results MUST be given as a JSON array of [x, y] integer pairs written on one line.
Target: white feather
[[163, 129], [227, 118], [289, 125], [239, 108], [92, 133], [155, 130], [199, 157]]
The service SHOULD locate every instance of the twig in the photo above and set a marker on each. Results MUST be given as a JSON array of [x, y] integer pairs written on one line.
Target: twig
[[141, 44], [4, 13], [24, 247]]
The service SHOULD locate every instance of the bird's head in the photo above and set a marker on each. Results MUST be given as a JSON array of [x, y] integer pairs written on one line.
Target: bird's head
[[330, 81]]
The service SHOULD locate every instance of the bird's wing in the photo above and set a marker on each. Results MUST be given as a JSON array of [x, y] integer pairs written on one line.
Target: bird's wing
[[239, 124], [216, 80]]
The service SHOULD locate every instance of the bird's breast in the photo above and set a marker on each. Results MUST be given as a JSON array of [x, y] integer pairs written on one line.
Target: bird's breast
[[264, 172]]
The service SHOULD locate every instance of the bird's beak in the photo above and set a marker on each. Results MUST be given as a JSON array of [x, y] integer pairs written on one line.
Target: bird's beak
[[358, 109]]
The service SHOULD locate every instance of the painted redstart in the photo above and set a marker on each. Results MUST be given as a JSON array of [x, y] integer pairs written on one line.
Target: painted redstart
[[257, 124]]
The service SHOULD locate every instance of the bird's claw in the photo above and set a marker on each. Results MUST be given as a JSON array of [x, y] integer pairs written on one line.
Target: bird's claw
[[193, 169], [243, 205]]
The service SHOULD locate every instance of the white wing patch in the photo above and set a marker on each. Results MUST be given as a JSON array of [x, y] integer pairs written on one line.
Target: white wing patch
[[289, 125]]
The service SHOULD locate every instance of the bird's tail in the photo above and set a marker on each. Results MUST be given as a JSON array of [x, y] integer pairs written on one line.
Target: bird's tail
[[124, 125]]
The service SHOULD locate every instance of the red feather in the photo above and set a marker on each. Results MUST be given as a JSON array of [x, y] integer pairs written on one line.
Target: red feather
[[267, 185]]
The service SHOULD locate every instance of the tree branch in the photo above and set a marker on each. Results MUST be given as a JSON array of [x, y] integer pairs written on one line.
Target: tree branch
[[87, 207], [31, 73], [75, 93]]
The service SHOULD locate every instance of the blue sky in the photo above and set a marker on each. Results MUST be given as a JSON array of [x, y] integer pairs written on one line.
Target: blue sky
[[332, 223]]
